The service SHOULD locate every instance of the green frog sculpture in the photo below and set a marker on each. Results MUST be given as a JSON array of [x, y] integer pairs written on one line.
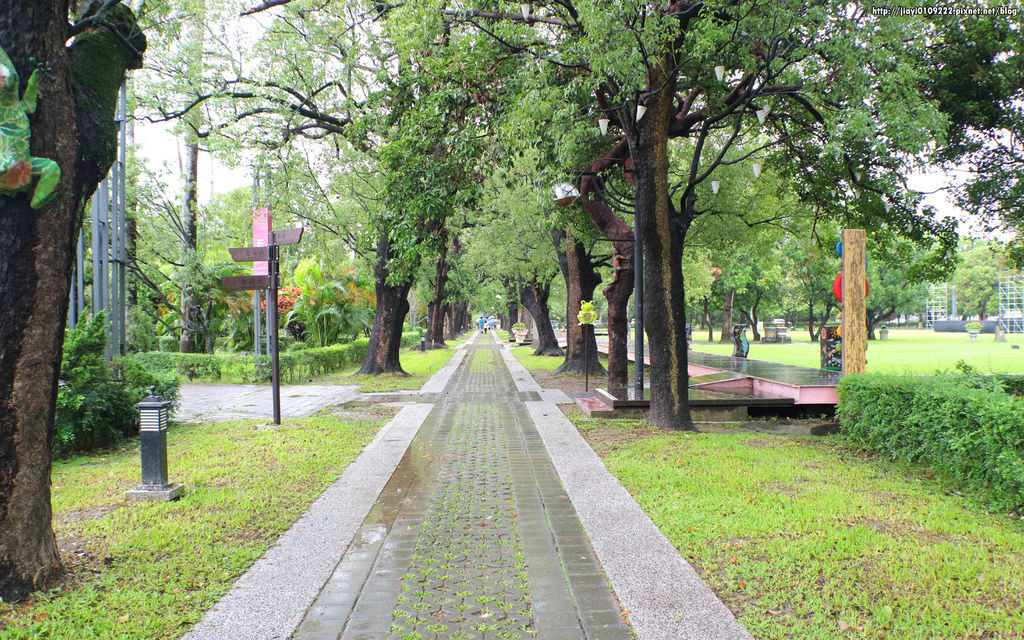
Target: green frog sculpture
[[17, 166]]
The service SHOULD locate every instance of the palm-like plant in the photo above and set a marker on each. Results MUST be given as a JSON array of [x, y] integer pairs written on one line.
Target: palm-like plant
[[331, 306]]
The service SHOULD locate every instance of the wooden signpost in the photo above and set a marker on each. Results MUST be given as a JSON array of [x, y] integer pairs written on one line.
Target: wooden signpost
[[854, 301], [270, 254]]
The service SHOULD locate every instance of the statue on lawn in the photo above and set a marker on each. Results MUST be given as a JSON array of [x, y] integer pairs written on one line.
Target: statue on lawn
[[17, 166]]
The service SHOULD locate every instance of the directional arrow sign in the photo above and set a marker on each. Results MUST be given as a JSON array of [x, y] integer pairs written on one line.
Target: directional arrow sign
[[246, 283], [249, 254], [286, 236]]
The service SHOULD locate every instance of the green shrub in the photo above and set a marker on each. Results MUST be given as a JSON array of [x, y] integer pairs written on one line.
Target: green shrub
[[965, 426], [141, 332], [168, 344], [94, 407], [295, 365], [1013, 383]]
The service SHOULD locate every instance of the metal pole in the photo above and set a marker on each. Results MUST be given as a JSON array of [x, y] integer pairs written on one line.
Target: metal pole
[[97, 268], [272, 330], [271, 323], [638, 297], [72, 308], [257, 314], [113, 320], [105, 215], [80, 275], [122, 251]]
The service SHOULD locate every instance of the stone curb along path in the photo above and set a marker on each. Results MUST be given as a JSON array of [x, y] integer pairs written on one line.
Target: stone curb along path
[[340, 571], [665, 597]]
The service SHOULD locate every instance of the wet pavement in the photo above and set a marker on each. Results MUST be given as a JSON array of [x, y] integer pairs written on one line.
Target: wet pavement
[[218, 402], [473, 536], [477, 512]]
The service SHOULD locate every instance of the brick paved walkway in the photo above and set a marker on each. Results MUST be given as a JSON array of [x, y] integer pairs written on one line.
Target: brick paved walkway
[[473, 536]]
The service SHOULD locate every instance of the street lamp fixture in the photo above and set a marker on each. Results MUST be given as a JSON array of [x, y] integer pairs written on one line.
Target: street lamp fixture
[[566, 194], [603, 123]]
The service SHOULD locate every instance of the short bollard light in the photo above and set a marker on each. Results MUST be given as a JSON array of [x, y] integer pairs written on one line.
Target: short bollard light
[[423, 343], [153, 447]]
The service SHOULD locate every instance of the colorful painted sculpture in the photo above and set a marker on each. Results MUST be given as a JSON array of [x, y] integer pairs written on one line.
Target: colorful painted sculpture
[[17, 166]]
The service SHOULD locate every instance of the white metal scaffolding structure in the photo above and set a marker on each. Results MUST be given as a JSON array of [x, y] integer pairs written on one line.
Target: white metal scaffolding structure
[[108, 250], [1011, 302], [937, 305]]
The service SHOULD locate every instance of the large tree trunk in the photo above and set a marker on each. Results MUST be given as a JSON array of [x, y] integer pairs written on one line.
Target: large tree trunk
[[619, 290], [436, 308], [752, 316], [511, 300], [580, 284], [810, 321], [189, 245], [707, 319], [664, 231], [190, 311], [382, 353], [535, 298], [730, 296], [36, 258]]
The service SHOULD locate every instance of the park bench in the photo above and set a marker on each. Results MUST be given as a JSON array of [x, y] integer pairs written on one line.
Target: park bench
[[776, 335]]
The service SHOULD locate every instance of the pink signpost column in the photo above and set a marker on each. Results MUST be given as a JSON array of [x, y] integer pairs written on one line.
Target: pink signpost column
[[260, 236], [261, 225]]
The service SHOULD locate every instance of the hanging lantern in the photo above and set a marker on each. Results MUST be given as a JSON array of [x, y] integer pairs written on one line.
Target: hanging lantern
[[720, 72], [757, 169], [714, 186], [856, 176], [565, 194], [640, 111], [762, 114], [525, 8], [887, 206], [603, 123]]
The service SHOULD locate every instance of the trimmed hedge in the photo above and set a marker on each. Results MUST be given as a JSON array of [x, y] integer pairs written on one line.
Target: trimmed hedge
[[297, 365], [969, 428]]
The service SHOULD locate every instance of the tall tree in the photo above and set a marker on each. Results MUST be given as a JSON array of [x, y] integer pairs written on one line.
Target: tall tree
[[977, 76], [74, 125]]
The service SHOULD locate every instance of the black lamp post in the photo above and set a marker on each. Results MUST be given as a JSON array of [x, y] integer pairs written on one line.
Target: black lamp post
[[153, 412]]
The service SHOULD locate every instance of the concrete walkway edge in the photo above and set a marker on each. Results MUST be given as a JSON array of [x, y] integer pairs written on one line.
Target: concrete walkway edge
[[665, 597], [269, 600]]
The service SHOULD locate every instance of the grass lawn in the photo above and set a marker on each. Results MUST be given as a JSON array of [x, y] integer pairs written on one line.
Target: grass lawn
[[419, 366], [148, 571], [806, 539], [907, 351]]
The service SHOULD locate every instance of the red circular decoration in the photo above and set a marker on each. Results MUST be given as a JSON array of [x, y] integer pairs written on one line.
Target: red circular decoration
[[837, 287]]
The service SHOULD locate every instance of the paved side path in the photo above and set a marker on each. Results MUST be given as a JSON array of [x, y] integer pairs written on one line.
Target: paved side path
[[217, 402]]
